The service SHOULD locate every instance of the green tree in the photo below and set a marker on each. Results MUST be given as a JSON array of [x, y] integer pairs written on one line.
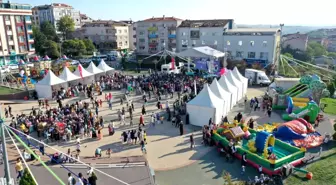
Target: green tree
[[74, 47], [66, 25], [51, 49], [332, 54], [316, 49], [90, 47], [288, 55], [39, 41], [27, 179], [49, 31]]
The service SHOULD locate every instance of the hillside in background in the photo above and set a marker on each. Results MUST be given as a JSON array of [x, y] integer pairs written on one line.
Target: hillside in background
[[289, 29]]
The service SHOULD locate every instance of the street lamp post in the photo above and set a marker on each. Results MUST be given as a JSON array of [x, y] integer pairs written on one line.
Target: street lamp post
[[280, 47]]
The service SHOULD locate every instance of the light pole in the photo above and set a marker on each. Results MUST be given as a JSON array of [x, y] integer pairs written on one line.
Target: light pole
[[4, 149], [280, 47]]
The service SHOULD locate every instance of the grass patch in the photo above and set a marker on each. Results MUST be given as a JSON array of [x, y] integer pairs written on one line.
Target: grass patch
[[328, 105], [5, 90], [323, 171]]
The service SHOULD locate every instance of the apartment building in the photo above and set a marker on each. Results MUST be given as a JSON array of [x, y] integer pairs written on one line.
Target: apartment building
[[195, 33], [54, 12], [106, 35], [132, 34], [85, 19], [156, 34], [331, 43], [295, 41], [254, 45], [16, 34]]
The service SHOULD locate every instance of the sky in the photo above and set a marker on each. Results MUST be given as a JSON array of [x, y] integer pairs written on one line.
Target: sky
[[267, 12]]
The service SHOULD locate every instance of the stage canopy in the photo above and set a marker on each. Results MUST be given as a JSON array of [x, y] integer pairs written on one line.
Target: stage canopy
[[222, 94], [201, 52], [234, 81], [226, 85], [204, 106]]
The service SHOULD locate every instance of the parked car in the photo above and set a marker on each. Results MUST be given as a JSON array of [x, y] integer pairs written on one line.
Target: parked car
[[74, 62], [30, 64], [5, 70], [13, 66]]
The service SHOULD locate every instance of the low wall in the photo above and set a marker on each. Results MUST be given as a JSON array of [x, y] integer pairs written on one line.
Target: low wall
[[14, 96]]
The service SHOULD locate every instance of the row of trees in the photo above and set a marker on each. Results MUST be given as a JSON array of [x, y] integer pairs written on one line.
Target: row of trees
[[47, 42]]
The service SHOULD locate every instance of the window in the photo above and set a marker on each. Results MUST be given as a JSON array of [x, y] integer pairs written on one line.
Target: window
[[30, 36], [120, 37], [184, 43], [203, 42], [252, 43], [264, 55], [12, 48], [215, 43], [162, 41], [10, 37], [141, 33], [125, 31], [141, 40], [9, 28], [22, 48], [19, 29], [126, 43], [18, 18], [29, 27], [265, 43], [194, 34], [162, 33], [203, 33], [183, 33], [239, 54], [126, 37], [142, 47], [228, 43], [27, 17], [194, 42], [21, 39], [251, 55], [240, 43], [120, 44], [7, 18], [119, 31]]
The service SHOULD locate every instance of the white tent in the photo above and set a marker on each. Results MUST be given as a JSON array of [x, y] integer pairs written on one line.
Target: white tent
[[67, 75], [44, 88], [226, 85], [203, 51], [93, 69], [222, 94], [87, 76], [204, 106], [233, 80], [241, 78], [104, 67]]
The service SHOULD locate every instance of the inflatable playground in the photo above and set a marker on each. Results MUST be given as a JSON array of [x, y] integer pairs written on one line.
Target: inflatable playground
[[261, 148]]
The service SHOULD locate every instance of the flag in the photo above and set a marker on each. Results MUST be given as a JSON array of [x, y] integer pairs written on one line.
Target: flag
[[222, 71], [80, 69], [173, 63]]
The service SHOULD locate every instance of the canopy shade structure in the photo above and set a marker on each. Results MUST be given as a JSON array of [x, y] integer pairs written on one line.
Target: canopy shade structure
[[93, 69], [222, 94], [84, 74], [49, 82], [241, 78], [233, 80], [104, 67], [67, 75], [226, 85], [204, 106], [204, 51]]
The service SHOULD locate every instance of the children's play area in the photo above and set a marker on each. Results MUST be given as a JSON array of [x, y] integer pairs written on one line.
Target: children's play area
[[279, 147]]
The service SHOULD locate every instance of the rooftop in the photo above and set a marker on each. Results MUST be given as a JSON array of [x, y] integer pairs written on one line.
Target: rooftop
[[106, 23], [53, 5], [253, 30], [15, 6], [163, 18], [204, 23]]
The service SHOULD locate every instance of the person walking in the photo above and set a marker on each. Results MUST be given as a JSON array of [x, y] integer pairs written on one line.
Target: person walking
[[71, 179], [19, 169], [192, 142]]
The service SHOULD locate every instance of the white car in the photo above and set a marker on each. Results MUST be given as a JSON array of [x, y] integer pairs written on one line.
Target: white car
[[13, 66], [5, 70], [30, 64], [74, 62]]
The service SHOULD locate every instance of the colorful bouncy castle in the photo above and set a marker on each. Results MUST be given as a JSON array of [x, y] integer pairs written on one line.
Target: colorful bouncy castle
[[299, 133]]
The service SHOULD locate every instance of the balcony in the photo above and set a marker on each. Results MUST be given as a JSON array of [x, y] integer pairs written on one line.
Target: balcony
[[170, 28], [8, 22], [172, 36], [152, 36], [9, 33], [152, 28]]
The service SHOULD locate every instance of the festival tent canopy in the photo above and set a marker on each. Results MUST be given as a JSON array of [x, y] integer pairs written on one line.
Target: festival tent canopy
[[36, 58], [204, 106], [241, 78], [233, 80], [67, 75], [226, 85], [203, 51], [222, 94], [93, 69], [45, 86], [46, 58], [84, 74], [104, 67]]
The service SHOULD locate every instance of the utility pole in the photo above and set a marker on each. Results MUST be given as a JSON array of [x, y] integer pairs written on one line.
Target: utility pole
[[4, 149], [277, 65]]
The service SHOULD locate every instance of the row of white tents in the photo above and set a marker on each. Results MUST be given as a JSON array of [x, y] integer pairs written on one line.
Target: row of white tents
[[218, 99], [51, 82]]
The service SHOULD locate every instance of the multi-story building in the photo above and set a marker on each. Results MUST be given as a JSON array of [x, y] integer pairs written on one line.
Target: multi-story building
[[85, 19], [254, 45], [132, 34], [194, 33], [54, 12], [331, 43], [16, 34], [295, 41], [156, 34], [106, 35]]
